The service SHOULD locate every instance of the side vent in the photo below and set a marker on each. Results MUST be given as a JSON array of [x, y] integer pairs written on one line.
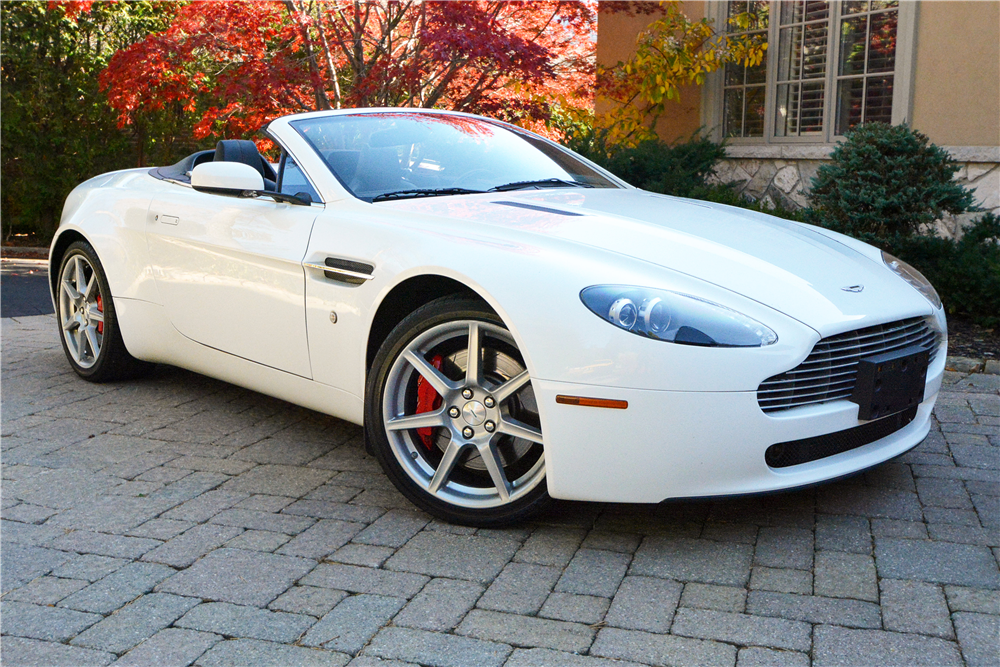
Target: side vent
[[345, 271], [348, 271]]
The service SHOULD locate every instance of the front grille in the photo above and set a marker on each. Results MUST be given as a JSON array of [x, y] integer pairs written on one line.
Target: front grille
[[795, 452], [830, 370]]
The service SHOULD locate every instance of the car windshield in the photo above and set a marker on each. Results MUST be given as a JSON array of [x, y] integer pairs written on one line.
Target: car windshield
[[383, 156]]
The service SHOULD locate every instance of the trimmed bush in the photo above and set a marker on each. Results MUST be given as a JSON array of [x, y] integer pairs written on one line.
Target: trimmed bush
[[725, 193], [888, 181], [678, 169], [966, 273]]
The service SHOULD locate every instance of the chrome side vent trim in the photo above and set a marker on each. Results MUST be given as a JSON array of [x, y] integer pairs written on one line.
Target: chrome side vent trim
[[343, 270]]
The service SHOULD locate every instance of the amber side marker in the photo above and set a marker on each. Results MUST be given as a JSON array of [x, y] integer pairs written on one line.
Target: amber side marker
[[592, 402]]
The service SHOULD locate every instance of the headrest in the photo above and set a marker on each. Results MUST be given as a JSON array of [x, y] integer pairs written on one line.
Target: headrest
[[240, 150]]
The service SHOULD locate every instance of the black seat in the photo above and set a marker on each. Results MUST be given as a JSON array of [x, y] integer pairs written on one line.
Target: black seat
[[245, 152]]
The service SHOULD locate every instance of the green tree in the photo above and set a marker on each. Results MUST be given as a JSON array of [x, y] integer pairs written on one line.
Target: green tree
[[56, 128]]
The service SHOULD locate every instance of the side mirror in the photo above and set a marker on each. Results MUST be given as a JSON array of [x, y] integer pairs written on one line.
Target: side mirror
[[226, 178]]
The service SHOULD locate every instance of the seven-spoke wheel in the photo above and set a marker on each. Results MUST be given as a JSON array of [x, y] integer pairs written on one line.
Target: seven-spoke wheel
[[453, 416], [81, 310], [87, 321]]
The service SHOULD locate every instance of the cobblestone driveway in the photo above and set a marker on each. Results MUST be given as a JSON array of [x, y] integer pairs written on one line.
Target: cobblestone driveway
[[180, 520]]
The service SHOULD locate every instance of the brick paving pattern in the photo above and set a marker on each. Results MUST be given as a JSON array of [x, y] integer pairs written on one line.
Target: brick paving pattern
[[177, 520]]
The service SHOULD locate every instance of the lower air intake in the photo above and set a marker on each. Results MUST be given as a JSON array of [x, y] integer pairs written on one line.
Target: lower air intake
[[795, 452]]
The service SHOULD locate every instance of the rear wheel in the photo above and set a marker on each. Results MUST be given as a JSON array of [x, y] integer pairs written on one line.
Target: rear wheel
[[88, 323], [453, 418]]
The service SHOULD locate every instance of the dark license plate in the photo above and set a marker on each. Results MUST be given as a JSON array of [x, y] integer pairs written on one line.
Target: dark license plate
[[891, 382]]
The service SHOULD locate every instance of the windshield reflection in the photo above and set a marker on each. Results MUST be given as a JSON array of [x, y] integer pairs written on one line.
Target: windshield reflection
[[396, 155]]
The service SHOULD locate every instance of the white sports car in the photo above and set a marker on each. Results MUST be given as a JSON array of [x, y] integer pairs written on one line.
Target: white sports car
[[509, 321]]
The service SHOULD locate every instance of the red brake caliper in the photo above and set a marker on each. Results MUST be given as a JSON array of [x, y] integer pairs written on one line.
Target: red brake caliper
[[428, 400], [100, 308]]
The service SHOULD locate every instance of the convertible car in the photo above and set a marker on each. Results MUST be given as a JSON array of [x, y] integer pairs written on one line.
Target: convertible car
[[508, 321]]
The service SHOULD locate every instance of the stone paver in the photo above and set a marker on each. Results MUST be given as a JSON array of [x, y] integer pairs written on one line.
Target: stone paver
[[365, 580], [21, 619], [693, 560], [939, 562], [20, 651], [742, 629], [353, 622], [526, 631], [915, 606], [177, 520], [238, 621], [844, 575], [436, 650], [117, 588], [135, 622], [45, 590], [520, 589], [587, 609], [544, 657], [661, 650], [441, 605], [237, 576], [307, 600], [978, 634], [243, 652], [815, 609], [457, 556], [594, 572], [170, 646], [644, 603], [842, 647], [191, 545]]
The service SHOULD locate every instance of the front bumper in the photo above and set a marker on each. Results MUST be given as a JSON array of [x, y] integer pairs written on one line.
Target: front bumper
[[670, 444]]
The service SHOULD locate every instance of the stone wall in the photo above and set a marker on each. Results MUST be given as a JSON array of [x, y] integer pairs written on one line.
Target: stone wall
[[780, 176]]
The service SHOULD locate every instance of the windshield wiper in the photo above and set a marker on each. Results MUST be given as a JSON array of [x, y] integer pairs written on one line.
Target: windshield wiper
[[427, 192], [544, 183]]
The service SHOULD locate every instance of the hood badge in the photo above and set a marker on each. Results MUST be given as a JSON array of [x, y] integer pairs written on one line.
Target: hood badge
[[853, 288]]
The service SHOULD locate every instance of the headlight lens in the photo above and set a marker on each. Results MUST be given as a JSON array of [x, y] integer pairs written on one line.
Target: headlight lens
[[675, 317], [912, 276]]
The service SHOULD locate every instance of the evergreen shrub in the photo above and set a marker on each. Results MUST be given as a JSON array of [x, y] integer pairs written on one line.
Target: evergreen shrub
[[886, 180], [965, 273], [678, 169]]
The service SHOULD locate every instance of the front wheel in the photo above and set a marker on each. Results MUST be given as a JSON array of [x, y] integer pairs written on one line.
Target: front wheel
[[452, 416], [88, 323]]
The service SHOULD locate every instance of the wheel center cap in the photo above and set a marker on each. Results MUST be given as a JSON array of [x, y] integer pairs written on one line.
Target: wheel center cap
[[474, 413]]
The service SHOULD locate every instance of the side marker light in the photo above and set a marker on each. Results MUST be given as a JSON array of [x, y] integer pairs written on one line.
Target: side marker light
[[587, 402]]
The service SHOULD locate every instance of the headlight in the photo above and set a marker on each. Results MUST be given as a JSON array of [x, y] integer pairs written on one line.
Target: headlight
[[912, 276], [675, 317]]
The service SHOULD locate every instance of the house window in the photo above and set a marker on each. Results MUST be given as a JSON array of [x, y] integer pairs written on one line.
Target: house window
[[867, 63], [800, 87], [745, 91], [829, 67]]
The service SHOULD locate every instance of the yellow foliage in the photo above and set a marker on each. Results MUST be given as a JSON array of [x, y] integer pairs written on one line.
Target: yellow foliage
[[672, 51]]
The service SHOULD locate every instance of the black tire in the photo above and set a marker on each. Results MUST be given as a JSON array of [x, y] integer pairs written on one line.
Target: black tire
[[112, 361], [470, 493]]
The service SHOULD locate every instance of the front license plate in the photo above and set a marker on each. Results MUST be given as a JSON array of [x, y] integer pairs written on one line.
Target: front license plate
[[891, 382]]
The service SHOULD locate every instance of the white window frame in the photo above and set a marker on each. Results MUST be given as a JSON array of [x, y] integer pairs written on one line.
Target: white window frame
[[902, 94]]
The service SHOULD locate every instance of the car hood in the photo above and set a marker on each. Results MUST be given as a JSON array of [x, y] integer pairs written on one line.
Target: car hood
[[793, 268]]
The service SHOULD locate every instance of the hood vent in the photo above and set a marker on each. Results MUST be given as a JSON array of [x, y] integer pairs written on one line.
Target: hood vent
[[536, 207]]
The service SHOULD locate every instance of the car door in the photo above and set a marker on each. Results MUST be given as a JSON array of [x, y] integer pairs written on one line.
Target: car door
[[229, 273]]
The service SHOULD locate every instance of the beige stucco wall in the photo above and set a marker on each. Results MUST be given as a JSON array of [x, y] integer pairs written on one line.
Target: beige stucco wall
[[956, 95], [616, 33]]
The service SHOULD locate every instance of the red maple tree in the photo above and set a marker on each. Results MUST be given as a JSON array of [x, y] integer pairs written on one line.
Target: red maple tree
[[239, 64]]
